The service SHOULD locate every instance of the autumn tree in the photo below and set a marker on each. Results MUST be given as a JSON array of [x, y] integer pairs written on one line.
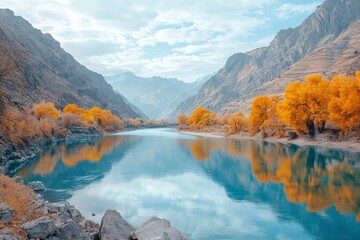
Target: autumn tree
[[46, 109], [273, 122], [198, 114], [109, 121], [238, 123], [207, 119], [69, 120], [74, 109], [182, 119], [344, 105], [259, 113], [305, 105]]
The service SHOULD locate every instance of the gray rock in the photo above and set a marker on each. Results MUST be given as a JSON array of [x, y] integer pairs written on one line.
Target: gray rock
[[5, 216], [40, 228], [6, 234], [37, 186], [157, 229], [114, 227], [5, 213], [70, 230], [59, 207], [76, 215]]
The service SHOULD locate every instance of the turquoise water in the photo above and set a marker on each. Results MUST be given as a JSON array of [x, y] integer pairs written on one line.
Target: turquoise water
[[210, 188]]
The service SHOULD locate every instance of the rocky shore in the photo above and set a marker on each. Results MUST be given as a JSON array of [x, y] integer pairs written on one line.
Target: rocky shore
[[60, 220]]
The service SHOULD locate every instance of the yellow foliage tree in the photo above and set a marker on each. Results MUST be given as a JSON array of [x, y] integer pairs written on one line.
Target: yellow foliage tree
[[305, 105], [182, 119], [198, 114], [238, 122], [74, 109], [46, 109], [344, 105], [273, 122], [207, 119], [259, 113]]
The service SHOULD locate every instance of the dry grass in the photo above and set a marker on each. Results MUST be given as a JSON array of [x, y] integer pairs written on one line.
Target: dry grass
[[20, 198]]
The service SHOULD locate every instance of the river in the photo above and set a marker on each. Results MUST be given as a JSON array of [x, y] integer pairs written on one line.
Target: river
[[209, 188]]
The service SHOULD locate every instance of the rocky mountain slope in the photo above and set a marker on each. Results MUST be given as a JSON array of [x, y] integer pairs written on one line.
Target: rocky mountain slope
[[156, 96], [52, 74], [326, 42]]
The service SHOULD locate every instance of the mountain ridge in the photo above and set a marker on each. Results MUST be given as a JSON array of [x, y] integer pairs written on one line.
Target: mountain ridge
[[243, 73], [52, 74]]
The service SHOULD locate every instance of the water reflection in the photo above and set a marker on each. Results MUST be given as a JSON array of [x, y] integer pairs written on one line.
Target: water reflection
[[211, 188], [70, 166], [319, 177]]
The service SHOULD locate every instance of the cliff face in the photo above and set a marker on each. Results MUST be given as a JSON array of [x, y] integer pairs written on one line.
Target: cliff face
[[157, 97], [245, 74], [52, 74]]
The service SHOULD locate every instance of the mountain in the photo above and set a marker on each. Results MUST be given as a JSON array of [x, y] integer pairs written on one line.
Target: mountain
[[156, 96], [326, 42], [51, 74]]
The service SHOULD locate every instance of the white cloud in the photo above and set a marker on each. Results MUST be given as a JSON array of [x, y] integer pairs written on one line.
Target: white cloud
[[288, 10], [108, 37]]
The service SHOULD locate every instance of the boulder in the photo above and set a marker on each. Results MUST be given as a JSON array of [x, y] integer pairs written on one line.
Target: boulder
[[114, 227], [37, 186], [59, 207], [70, 230], [76, 215], [159, 229], [5, 217], [91, 229], [40, 228], [5, 213], [6, 234]]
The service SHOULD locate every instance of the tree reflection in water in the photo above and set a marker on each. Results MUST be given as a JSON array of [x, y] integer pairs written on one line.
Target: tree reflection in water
[[319, 177]]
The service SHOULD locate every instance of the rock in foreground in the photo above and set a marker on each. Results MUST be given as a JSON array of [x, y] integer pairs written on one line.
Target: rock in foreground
[[40, 228], [37, 186], [159, 229], [115, 227]]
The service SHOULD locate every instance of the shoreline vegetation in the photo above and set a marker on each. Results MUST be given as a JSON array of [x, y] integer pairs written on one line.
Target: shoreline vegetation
[[317, 112], [25, 131]]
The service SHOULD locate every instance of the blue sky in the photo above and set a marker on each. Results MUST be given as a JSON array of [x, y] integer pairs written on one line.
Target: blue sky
[[186, 39]]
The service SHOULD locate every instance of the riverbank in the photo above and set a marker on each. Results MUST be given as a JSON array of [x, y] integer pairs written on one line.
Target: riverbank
[[319, 141], [24, 214]]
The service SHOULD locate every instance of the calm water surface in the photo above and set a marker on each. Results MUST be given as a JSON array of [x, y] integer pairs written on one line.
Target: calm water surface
[[210, 188]]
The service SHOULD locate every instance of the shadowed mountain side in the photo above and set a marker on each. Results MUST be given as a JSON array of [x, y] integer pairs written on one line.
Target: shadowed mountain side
[[244, 73], [52, 74]]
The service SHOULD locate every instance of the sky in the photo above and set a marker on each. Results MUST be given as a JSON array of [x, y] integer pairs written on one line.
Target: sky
[[186, 39]]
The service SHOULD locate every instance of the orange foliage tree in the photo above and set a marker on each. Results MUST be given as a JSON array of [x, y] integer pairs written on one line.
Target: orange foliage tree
[[46, 109], [344, 105], [202, 117], [259, 113], [238, 123], [182, 119], [305, 105]]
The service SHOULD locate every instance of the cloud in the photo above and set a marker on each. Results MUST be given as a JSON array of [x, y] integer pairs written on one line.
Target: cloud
[[197, 36], [288, 10]]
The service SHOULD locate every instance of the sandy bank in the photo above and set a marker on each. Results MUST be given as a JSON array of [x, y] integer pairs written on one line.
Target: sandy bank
[[353, 146]]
